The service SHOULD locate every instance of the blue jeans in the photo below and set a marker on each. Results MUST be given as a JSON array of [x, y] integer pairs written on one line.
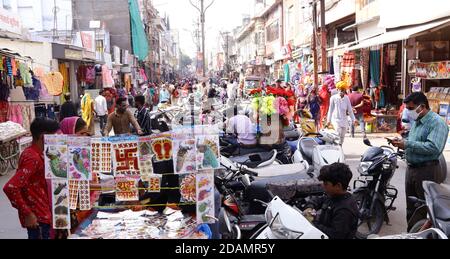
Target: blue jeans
[[40, 233], [362, 124]]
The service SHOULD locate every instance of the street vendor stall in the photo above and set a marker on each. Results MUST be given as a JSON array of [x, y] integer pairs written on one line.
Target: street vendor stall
[[135, 172], [9, 145]]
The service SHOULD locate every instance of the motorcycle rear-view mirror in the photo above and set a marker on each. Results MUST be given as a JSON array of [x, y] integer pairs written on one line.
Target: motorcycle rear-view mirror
[[367, 142]]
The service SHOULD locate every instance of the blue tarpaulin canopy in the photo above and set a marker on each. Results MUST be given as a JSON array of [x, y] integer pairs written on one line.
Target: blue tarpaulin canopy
[[139, 38]]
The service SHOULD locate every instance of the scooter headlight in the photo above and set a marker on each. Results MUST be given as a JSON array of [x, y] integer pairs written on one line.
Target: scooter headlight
[[280, 232]]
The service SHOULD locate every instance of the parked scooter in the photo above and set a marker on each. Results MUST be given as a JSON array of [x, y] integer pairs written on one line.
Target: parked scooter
[[434, 211], [286, 222], [319, 150], [375, 196]]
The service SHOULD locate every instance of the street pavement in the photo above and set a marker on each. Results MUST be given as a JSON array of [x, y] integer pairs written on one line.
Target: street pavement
[[354, 147]]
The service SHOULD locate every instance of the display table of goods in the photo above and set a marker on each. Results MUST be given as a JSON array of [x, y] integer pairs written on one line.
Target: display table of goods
[[10, 130], [139, 225]]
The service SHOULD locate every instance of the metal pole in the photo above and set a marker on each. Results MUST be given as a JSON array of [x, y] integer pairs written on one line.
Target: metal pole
[[323, 33], [314, 47], [203, 35]]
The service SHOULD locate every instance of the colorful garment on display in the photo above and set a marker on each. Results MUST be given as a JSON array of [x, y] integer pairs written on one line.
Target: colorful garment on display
[[9, 66], [90, 75], [375, 69], [4, 92], [32, 93], [65, 75], [14, 67], [4, 107], [348, 66], [81, 74], [108, 81], [54, 82], [25, 74]]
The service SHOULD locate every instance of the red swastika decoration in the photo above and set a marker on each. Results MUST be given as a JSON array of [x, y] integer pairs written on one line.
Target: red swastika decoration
[[127, 161]]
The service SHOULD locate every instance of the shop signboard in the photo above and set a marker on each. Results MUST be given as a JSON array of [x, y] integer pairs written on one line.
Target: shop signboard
[[433, 70], [297, 53], [72, 54], [10, 22], [89, 55], [284, 53]]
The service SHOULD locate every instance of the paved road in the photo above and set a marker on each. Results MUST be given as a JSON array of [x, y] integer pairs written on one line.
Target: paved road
[[354, 148]]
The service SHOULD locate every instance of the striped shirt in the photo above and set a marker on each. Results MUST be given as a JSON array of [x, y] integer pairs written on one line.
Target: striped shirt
[[427, 139]]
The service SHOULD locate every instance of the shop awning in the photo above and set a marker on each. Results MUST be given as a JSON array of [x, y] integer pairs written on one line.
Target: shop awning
[[397, 35]]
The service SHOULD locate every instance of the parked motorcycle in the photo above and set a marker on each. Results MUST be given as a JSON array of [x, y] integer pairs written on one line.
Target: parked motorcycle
[[434, 211], [245, 191], [372, 190], [318, 150]]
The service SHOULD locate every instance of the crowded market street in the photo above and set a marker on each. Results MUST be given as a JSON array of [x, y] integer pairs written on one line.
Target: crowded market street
[[201, 120]]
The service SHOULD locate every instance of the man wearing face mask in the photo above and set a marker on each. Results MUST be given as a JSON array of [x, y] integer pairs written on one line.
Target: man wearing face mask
[[340, 109], [423, 147]]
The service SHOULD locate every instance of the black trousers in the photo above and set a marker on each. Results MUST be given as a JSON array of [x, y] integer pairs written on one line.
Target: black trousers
[[414, 183]]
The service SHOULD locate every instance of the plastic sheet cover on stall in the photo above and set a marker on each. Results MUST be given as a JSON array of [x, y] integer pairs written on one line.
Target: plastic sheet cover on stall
[[399, 34]]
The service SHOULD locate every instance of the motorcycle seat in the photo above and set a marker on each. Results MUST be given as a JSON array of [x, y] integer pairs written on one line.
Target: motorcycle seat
[[258, 190], [278, 170], [256, 160], [441, 201], [307, 146]]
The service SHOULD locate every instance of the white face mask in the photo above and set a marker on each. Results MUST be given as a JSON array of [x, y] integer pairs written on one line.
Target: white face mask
[[414, 115]]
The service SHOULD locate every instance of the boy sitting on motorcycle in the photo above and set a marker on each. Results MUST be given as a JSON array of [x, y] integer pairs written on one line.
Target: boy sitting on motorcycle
[[337, 212]]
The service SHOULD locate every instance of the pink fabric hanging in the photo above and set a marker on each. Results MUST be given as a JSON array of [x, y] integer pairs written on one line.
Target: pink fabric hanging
[[108, 80], [143, 75], [90, 75]]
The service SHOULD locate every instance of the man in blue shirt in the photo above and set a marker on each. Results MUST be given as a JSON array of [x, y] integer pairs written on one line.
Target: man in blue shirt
[[164, 95], [423, 148]]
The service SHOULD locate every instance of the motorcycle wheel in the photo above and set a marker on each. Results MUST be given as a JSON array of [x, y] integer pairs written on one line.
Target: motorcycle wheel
[[418, 226], [370, 222]]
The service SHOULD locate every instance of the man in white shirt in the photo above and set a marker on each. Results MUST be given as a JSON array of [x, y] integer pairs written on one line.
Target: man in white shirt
[[242, 128], [101, 108], [340, 109]]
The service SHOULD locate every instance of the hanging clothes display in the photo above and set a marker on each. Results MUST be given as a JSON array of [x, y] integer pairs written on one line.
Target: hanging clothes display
[[4, 91], [90, 75], [4, 108], [14, 67], [98, 76], [81, 74], [331, 65], [143, 75], [375, 63], [365, 61], [66, 83], [127, 79], [348, 66], [287, 74], [337, 68], [32, 93], [54, 82], [15, 114], [108, 80], [25, 75]]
